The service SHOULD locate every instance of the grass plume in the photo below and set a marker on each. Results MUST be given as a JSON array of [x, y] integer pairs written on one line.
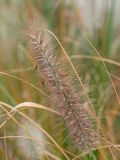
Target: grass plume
[[68, 101], [31, 149]]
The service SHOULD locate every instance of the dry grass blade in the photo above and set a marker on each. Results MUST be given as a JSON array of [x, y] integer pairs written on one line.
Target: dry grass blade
[[35, 139], [110, 61], [10, 116], [96, 51], [27, 105], [28, 83]]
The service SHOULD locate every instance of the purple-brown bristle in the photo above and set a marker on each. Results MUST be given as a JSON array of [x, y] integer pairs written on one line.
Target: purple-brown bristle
[[68, 101]]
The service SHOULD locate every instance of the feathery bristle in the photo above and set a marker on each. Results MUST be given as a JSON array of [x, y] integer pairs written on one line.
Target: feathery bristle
[[31, 149], [67, 100]]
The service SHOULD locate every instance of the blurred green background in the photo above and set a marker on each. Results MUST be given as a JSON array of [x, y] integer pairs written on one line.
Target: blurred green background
[[89, 30]]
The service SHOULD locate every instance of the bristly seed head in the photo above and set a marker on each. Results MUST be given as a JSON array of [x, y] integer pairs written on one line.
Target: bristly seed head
[[68, 101]]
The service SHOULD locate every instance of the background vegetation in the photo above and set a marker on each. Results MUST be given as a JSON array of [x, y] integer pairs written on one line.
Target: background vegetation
[[89, 31]]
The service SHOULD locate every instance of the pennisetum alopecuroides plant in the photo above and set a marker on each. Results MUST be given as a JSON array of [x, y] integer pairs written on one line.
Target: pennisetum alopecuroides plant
[[68, 101]]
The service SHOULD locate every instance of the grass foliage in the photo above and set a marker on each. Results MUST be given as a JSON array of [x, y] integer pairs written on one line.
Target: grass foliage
[[59, 90]]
